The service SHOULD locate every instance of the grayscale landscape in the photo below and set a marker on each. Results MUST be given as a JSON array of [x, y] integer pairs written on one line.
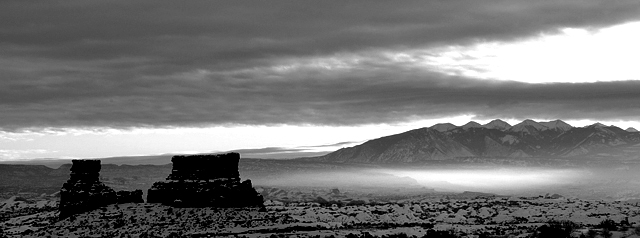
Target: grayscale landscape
[[436, 119]]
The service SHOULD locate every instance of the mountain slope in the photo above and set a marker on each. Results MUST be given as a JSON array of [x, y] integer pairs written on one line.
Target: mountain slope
[[410, 146], [495, 139]]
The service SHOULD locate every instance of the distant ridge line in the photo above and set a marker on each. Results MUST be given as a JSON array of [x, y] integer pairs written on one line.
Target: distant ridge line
[[527, 139], [502, 125]]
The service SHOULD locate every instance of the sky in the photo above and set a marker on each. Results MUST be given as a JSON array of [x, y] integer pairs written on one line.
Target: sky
[[91, 79]]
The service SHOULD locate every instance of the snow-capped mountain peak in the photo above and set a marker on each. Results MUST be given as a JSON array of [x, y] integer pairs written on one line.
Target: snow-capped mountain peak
[[497, 124]]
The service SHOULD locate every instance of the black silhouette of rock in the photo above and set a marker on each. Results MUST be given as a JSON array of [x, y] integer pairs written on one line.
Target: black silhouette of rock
[[84, 192], [205, 181]]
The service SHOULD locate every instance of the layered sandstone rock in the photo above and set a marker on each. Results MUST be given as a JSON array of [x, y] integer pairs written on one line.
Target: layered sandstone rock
[[84, 192], [205, 181]]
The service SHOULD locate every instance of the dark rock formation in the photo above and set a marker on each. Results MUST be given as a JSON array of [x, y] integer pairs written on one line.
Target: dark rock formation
[[84, 192], [205, 181], [205, 167]]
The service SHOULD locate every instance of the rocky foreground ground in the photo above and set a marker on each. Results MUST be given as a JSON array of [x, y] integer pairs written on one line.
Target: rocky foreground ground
[[464, 217]]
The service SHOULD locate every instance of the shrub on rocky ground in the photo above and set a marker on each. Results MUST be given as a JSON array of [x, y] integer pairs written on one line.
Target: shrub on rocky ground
[[555, 229]]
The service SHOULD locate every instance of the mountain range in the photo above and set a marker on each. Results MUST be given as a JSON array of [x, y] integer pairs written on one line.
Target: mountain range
[[496, 139]]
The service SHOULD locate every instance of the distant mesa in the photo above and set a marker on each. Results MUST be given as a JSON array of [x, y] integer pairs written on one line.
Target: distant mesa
[[205, 181], [84, 192]]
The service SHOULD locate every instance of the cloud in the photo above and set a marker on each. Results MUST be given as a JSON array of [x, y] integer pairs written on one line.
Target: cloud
[[268, 150], [278, 153], [168, 64], [339, 144], [234, 34], [20, 154], [575, 55], [293, 152], [388, 94]]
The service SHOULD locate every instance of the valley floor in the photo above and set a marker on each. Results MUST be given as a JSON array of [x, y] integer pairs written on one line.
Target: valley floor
[[461, 216]]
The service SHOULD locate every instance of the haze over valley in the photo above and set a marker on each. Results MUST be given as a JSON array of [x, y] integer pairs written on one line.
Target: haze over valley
[[529, 158]]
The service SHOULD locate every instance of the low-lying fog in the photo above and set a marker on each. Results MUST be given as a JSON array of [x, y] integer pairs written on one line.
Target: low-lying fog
[[613, 182], [494, 180]]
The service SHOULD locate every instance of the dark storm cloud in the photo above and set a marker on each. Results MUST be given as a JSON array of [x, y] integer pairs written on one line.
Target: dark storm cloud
[[228, 34], [169, 63], [387, 94]]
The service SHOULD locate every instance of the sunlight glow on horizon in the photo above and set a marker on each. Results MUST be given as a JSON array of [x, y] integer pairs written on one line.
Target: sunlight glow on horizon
[[73, 143], [108, 142], [573, 55]]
